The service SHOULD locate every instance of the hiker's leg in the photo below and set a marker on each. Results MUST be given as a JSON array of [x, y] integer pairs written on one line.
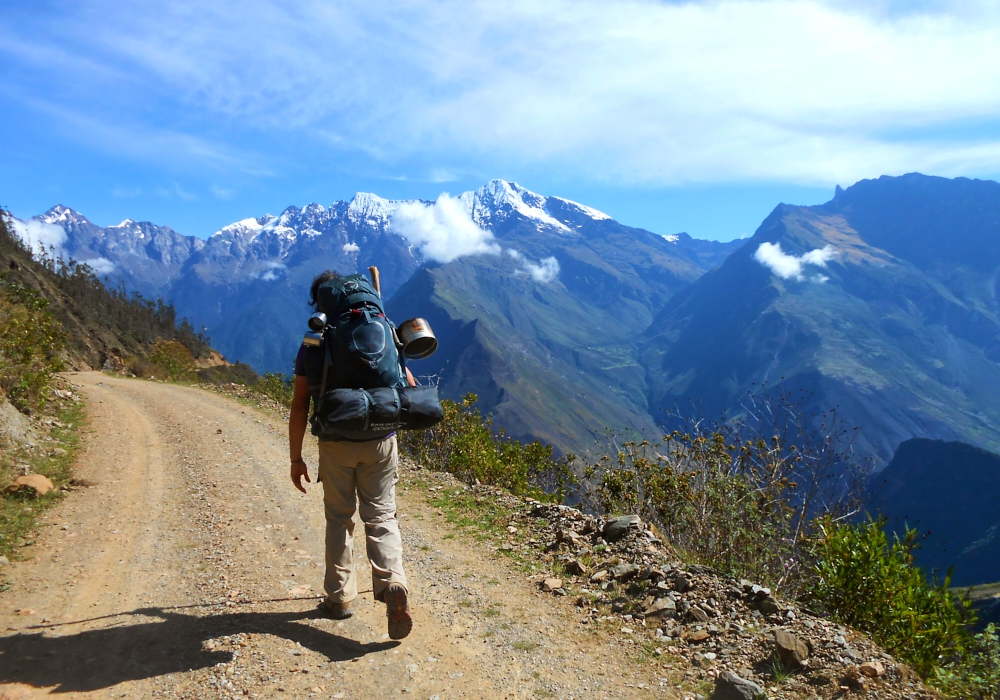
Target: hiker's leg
[[377, 476], [337, 461]]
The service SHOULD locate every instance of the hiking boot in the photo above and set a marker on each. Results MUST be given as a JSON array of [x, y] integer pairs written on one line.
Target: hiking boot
[[398, 611], [338, 611]]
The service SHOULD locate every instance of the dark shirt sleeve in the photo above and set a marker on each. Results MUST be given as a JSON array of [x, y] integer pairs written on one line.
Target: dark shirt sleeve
[[300, 362]]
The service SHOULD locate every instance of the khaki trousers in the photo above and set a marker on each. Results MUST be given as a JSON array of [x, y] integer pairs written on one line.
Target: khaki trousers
[[365, 472]]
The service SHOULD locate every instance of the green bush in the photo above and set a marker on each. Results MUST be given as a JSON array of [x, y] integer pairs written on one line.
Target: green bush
[[277, 387], [171, 359], [734, 495], [31, 342], [864, 581], [465, 445], [976, 674]]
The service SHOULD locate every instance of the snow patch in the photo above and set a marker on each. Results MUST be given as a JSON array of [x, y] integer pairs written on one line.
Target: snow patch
[[60, 214], [442, 231], [497, 193], [672, 238], [787, 266], [584, 209], [243, 225], [371, 208]]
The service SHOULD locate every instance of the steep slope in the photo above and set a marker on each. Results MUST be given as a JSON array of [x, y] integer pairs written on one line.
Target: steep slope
[[949, 491], [888, 311], [100, 326], [553, 358]]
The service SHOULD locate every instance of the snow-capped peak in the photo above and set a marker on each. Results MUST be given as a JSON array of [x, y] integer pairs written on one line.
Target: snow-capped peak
[[496, 194], [123, 224], [583, 209], [371, 207], [61, 215], [245, 225]]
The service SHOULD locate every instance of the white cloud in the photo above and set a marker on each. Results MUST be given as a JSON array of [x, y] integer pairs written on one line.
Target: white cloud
[[351, 247], [442, 231], [663, 92], [100, 266], [788, 266], [222, 192], [272, 271], [545, 272], [41, 237]]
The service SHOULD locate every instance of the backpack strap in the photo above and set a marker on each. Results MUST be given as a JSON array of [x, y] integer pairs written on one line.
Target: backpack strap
[[326, 369]]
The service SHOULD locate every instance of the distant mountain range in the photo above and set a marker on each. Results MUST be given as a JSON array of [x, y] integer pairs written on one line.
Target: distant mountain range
[[544, 328], [881, 303]]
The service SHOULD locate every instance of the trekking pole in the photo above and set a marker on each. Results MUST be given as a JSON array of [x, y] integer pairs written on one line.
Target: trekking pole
[[373, 271]]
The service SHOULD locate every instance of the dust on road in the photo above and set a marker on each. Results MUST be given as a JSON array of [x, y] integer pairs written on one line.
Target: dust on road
[[189, 569]]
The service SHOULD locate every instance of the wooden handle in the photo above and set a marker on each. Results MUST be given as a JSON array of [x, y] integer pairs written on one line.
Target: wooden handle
[[373, 271]]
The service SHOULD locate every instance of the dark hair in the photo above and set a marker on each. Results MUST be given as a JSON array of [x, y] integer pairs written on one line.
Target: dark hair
[[320, 279]]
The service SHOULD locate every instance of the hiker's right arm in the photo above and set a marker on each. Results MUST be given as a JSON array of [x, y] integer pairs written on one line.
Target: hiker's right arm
[[297, 421]]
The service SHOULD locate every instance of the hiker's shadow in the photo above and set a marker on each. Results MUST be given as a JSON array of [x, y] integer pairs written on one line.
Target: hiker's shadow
[[127, 651]]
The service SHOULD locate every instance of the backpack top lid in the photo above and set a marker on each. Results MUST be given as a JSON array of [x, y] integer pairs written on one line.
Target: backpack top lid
[[336, 296]]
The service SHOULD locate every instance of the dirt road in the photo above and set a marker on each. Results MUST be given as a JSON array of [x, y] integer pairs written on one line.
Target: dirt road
[[186, 568]]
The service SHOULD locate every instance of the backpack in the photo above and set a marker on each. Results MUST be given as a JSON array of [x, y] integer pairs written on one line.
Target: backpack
[[359, 339], [357, 376]]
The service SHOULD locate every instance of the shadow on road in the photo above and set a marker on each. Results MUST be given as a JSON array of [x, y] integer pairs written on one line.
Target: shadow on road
[[100, 658]]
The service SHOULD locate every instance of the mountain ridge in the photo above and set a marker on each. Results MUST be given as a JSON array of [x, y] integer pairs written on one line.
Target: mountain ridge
[[902, 346], [247, 284]]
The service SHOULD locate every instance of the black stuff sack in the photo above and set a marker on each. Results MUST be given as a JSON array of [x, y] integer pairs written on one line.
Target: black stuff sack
[[372, 414]]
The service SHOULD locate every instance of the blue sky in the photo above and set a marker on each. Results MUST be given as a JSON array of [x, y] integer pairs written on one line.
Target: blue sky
[[696, 116]]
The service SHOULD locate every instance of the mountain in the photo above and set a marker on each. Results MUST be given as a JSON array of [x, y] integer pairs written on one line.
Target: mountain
[[948, 491], [553, 359], [146, 257], [543, 326], [881, 303], [97, 327]]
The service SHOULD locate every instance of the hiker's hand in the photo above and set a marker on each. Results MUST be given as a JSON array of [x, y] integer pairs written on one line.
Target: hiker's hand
[[299, 470]]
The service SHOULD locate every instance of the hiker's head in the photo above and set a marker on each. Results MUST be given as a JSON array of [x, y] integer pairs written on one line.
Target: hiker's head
[[320, 279]]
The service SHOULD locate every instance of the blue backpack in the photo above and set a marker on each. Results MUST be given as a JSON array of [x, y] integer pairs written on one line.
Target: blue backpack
[[357, 375]]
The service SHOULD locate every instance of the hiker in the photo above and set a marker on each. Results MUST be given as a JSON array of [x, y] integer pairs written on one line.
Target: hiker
[[355, 470]]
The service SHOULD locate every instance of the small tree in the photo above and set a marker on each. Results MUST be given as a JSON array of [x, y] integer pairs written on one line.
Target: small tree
[[172, 359], [864, 581]]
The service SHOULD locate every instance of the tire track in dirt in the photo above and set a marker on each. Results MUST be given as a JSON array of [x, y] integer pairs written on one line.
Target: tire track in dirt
[[185, 571]]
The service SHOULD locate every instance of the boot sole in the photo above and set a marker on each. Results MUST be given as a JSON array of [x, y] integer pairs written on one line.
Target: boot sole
[[400, 622]]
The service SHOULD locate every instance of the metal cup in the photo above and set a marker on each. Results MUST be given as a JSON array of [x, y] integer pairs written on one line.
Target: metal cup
[[417, 338], [317, 322]]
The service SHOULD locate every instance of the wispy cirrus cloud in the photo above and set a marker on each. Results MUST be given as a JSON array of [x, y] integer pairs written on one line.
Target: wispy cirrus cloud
[[648, 92]]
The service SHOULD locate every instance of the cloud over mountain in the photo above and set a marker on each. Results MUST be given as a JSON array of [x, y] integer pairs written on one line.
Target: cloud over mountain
[[787, 266], [442, 231]]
